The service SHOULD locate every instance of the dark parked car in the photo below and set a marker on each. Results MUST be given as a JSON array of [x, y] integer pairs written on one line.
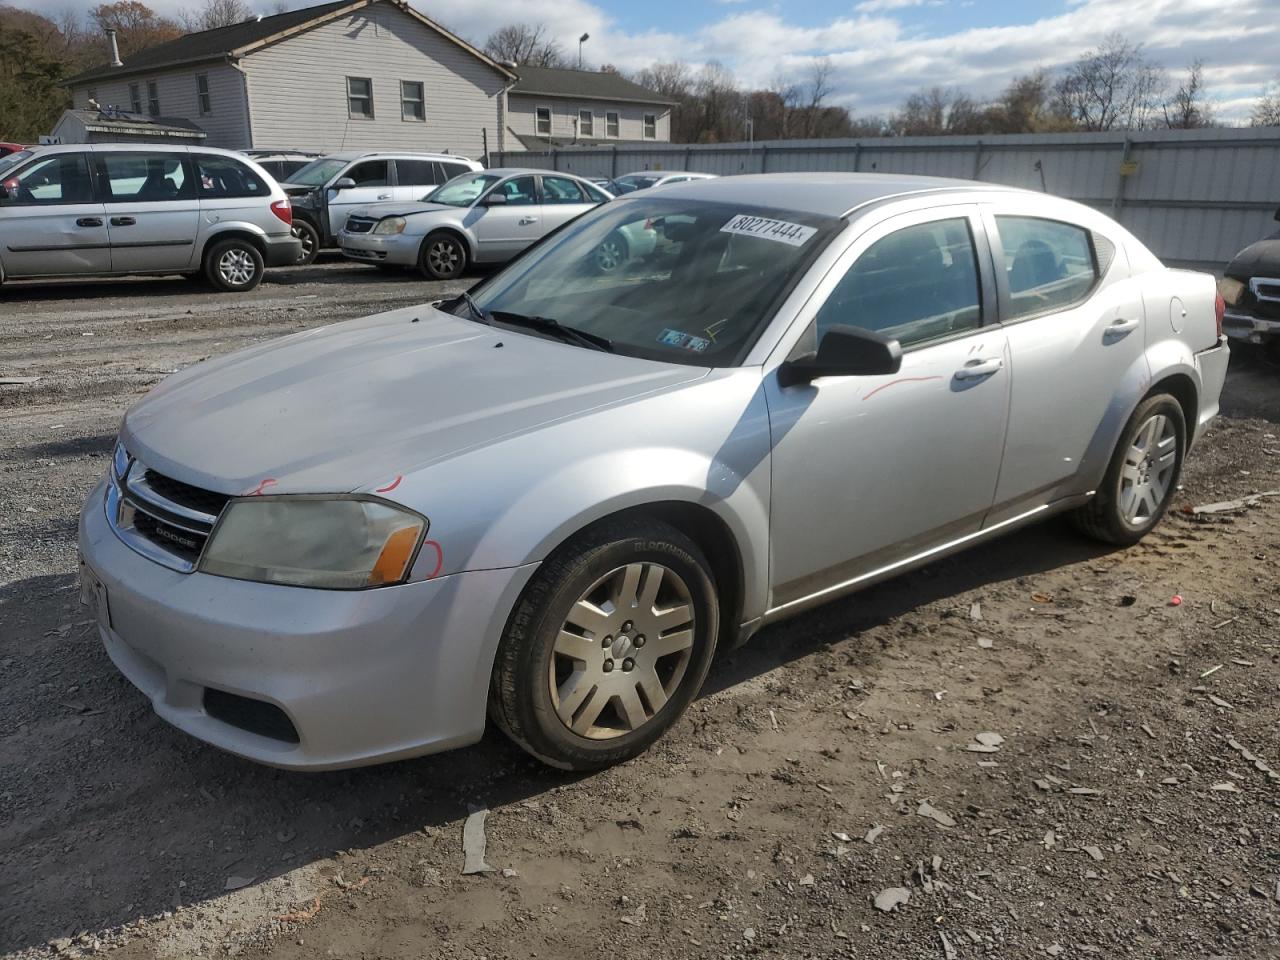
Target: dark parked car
[[1251, 289], [8, 148]]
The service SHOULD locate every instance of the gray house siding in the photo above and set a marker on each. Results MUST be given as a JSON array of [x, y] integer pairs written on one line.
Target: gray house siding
[[521, 113], [298, 88], [227, 122]]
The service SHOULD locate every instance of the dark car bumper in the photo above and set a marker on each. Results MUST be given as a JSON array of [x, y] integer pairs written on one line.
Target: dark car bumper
[[1247, 327], [281, 251]]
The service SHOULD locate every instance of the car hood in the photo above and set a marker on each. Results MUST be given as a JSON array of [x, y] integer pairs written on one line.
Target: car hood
[[354, 405], [1257, 259], [407, 209]]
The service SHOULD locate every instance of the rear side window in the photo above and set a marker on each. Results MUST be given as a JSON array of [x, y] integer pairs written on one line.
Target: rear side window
[[417, 173], [1050, 264], [63, 178], [221, 177], [560, 190], [144, 177], [917, 284]]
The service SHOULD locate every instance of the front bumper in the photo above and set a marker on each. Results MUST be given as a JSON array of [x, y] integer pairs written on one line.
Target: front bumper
[[1247, 328], [362, 676], [399, 249], [281, 251]]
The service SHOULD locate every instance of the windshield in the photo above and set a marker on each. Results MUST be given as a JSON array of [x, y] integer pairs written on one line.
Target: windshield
[[318, 172], [630, 184], [683, 281], [15, 158], [462, 191]]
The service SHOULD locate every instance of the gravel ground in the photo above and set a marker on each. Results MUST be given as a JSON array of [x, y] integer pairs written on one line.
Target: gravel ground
[[1123, 799]]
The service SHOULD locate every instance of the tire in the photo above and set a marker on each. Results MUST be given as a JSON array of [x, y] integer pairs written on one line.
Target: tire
[[443, 256], [233, 266], [1125, 508], [310, 237], [634, 677], [612, 254]]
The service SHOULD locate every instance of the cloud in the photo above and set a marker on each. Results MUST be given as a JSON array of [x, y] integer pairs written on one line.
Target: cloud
[[880, 6]]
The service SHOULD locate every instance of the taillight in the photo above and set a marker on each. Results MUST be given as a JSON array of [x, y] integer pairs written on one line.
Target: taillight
[[284, 210], [1219, 308]]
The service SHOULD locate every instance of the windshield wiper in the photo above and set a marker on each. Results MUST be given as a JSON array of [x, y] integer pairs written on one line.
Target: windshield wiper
[[582, 338], [476, 312]]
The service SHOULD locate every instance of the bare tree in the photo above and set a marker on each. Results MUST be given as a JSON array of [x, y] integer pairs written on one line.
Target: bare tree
[[723, 115], [215, 14], [1188, 108], [814, 91], [524, 43], [1266, 112], [1112, 87], [136, 25]]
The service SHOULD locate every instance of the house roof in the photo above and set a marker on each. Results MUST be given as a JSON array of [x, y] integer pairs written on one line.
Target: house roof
[[535, 143], [582, 85], [242, 38], [122, 123]]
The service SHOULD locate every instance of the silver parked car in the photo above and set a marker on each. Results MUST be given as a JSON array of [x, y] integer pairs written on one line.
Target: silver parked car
[[483, 217], [103, 209], [550, 500], [646, 179]]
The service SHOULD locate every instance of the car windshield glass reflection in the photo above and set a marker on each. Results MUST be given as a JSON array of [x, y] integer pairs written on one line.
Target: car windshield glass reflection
[[683, 281], [317, 172]]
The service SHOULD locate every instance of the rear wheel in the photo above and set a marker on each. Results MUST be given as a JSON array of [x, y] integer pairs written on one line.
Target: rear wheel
[[1142, 476], [443, 256], [233, 266], [310, 238], [608, 646], [611, 254]]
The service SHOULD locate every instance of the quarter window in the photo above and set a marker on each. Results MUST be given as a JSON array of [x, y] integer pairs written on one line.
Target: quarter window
[[586, 124], [59, 179], [413, 104], [542, 121], [611, 124], [135, 98], [153, 98], [360, 98], [144, 177], [452, 170], [560, 190], [915, 285], [224, 177], [1050, 264], [650, 126], [202, 94], [417, 173]]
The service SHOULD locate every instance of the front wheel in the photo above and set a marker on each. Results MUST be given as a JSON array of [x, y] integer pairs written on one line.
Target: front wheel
[[443, 256], [233, 266], [1142, 476], [608, 646], [310, 238], [611, 254]]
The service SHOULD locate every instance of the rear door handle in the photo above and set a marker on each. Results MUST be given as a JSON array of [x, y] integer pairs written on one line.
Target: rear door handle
[[525, 221], [1122, 325], [384, 196], [123, 221], [980, 367], [89, 222]]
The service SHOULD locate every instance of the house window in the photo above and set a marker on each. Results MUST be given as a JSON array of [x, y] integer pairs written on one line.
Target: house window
[[413, 105], [542, 121], [360, 98], [135, 98], [611, 123], [153, 98], [651, 126], [202, 94], [586, 124]]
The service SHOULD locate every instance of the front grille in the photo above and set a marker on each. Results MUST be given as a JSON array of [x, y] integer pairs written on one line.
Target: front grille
[[360, 224], [255, 716], [205, 501], [1266, 297], [169, 537]]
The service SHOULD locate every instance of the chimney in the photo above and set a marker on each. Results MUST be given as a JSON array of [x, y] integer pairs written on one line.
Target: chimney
[[115, 48]]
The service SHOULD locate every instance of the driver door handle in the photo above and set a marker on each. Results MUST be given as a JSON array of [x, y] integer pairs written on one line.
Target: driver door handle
[[384, 196], [525, 221], [979, 367], [89, 222], [123, 221], [1122, 325]]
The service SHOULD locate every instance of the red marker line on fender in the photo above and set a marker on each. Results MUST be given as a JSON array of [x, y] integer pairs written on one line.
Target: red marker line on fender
[[257, 491], [439, 558], [886, 386], [391, 486]]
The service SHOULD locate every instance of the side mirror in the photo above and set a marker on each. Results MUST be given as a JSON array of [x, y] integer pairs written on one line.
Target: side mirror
[[495, 200], [343, 183], [844, 352]]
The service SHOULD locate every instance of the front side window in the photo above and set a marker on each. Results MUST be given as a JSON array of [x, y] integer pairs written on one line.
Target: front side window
[[371, 173], [611, 124], [63, 178], [542, 121], [695, 282], [650, 126], [561, 190], [586, 124], [153, 98], [135, 98], [917, 284], [413, 104], [360, 98], [221, 177], [417, 173], [1050, 265], [202, 94], [463, 191], [519, 191], [144, 177]]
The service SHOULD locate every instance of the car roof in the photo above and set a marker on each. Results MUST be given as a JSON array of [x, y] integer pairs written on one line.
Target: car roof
[[408, 154], [825, 194], [148, 147], [666, 173], [529, 171]]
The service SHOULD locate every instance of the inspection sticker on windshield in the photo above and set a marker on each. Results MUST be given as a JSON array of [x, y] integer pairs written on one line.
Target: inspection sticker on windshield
[[685, 341], [746, 225]]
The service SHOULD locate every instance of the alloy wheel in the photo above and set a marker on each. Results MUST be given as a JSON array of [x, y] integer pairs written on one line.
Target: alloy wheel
[[610, 255], [622, 651], [1148, 470], [236, 267], [443, 256], [308, 244]]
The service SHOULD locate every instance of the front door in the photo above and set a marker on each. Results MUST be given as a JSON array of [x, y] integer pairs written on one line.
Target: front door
[[869, 471], [503, 230], [1073, 335], [153, 213], [50, 222], [373, 185]]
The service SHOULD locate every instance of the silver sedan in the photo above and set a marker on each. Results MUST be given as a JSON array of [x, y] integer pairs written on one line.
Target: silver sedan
[[484, 217], [550, 500]]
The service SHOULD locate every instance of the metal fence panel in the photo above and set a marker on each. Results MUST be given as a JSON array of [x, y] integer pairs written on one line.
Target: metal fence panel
[[1195, 197]]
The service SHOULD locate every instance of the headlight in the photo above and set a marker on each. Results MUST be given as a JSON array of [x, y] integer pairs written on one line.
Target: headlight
[[390, 225], [1230, 288], [335, 543]]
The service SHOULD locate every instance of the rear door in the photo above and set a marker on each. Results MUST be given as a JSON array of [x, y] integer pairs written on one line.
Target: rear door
[[373, 185], [503, 230], [51, 223], [415, 179], [153, 213], [562, 200], [1075, 337]]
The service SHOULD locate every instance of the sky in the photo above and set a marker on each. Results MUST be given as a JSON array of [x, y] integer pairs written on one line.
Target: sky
[[881, 50]]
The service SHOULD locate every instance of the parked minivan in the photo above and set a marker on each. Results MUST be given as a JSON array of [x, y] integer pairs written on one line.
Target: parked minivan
[[326, 190], [109, 209]]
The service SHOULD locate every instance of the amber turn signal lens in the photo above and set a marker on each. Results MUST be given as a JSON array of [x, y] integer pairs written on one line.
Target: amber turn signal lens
[[393, 562]]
